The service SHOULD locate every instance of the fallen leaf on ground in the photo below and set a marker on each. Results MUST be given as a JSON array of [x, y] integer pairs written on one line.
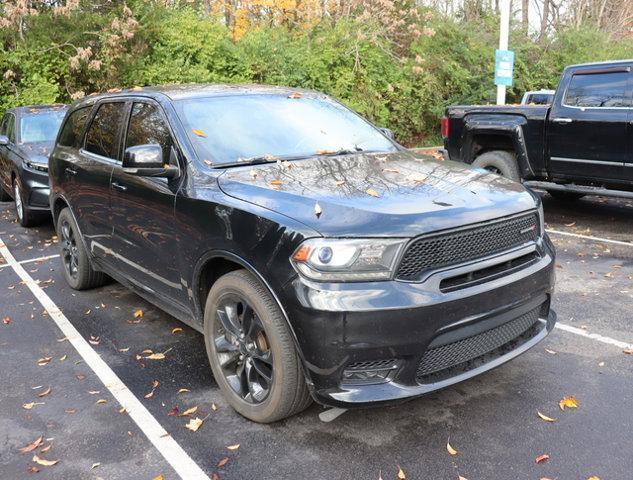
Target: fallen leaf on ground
[[183, 390], [101, 401], [552, 352], [156, 356], [189, 411], [62, 358], [173, 412], [46, 448], [214, 407], [44, 360], [223, 462], [122, 410], [568, 402], [541, 458], [450, 449], [30, 405], [6, 320], [33, 445], [593, 477], [95, 465], [176, 330], [459, 477], [43, 462], [628, 351], [372, 192], [32, 469], [138, 313], [158, 477], [545, 417], [233, 447], [194, 424], [70, 411], [123, 350], [401, 475], [45, 392]]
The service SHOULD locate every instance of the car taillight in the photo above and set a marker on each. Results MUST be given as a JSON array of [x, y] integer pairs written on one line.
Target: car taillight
[[444, 125]]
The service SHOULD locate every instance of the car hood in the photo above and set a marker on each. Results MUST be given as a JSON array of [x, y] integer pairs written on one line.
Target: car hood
[[392, 194], [36, 151]]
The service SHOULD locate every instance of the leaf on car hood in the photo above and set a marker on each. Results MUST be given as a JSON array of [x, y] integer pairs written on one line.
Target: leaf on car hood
[[372, 192], [317, 210]]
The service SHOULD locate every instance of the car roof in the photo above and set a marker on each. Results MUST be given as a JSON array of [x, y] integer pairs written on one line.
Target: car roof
[[183, 91], [27, 109], [602, 64]]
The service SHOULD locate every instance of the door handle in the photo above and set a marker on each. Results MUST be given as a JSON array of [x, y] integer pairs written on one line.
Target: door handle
[[118, 186], [70, 171], [562, 120]]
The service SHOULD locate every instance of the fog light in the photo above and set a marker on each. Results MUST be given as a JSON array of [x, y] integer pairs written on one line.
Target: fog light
[[367, 373]]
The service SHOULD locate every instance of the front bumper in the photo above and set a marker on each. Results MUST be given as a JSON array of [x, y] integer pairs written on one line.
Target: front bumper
[[36, 189], [418, 337]]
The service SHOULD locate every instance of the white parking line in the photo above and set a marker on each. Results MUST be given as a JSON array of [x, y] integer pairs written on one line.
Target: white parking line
[[589, 237], [594, 336], [32, 260], [173, 453]]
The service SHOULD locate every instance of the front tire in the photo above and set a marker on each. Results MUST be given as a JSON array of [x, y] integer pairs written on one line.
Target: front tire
[[26, 217], [76, 263], [251, 350], [500, 162]]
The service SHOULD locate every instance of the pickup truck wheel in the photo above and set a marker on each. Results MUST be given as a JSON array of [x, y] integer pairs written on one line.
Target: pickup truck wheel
[[251, 350], [565, 196], [501, 162], [76, 263]]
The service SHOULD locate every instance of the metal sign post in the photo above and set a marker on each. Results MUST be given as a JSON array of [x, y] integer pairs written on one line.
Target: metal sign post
[[504, 59]]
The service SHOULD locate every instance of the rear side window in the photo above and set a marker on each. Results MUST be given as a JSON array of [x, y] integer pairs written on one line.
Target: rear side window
[[147, 126], [10, 128], [71, 133], [606, 90], [103, 134]]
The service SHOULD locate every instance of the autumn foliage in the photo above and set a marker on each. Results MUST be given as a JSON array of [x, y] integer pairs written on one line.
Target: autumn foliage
[[396, 62]]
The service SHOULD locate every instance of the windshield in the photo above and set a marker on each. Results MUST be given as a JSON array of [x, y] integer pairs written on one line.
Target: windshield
[[241, 127], [41, 126]]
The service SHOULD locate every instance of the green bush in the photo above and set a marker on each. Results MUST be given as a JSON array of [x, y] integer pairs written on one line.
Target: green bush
[[405, 87]]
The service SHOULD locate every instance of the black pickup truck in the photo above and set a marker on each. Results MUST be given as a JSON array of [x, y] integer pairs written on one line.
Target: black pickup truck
[[581, 144]]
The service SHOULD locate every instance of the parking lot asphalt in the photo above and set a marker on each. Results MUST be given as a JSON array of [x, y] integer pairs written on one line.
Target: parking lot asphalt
[[491, 420]]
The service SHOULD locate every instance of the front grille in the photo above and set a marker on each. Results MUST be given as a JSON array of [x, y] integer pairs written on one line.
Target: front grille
[[458, 246], [462, 354]]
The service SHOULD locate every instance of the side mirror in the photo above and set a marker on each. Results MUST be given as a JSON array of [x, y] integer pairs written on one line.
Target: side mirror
[[388, 133], [147, 161], [4, 140]]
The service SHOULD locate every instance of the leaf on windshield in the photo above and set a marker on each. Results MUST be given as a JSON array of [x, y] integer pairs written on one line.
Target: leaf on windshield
[[294, 95], [372, 192], [276, 182], [198, 132]]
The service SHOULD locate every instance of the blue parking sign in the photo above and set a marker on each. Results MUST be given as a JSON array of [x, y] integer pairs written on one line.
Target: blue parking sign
[[504, 66]]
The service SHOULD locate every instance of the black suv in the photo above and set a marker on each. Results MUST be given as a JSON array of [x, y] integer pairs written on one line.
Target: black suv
[[319, 258], [27, 135]]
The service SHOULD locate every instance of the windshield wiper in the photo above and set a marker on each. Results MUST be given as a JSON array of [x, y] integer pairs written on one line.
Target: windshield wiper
[[257, 160]]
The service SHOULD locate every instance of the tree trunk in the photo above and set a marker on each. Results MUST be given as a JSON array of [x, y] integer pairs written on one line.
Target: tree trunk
[[525, 10], [544, 21]]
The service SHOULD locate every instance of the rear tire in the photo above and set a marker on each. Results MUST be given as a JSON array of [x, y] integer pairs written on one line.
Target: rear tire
[[565, 196], [26, 217], [251, 350], [76, 264], [500, 162]]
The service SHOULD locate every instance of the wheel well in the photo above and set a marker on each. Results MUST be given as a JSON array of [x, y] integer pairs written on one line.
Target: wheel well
[[210, 273], [484, 143], [59, 205]]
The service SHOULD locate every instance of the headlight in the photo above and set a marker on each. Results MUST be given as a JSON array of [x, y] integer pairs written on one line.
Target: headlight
[[40, 167], [338, 260]]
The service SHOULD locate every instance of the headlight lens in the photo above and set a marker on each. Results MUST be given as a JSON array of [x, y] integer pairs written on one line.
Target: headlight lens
[[40, 167], [338, 260]]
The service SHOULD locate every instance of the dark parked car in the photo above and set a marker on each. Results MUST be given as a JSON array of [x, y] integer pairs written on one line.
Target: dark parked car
[[27, 135], [581, 144], [319, 258]]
